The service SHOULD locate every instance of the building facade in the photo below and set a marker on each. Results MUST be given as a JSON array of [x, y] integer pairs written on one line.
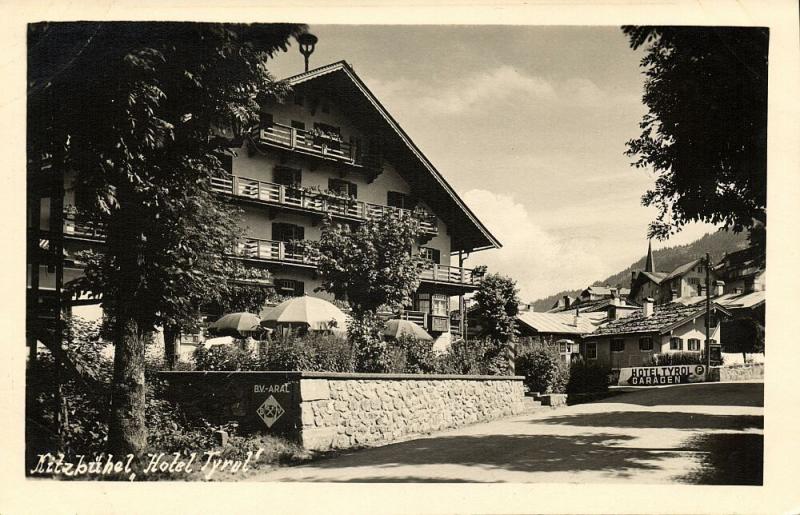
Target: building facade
[[330, 148]]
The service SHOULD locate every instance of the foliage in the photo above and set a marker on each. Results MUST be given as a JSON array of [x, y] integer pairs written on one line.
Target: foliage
[[479, 356], [245, 288], [419, 355], [224, 357], [587, 377], [677, 358], [371, 266], [705, 134], [317, 352], [145, 136], [497, 307], [745, 336], [541, 364]]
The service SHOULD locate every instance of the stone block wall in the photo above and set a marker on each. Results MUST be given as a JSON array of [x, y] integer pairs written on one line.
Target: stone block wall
[[336, 411], [350, 411], [738, 373]]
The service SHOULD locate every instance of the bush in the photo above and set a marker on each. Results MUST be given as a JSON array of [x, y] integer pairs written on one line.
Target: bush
[[419, 355], [224, 357], [544, 370], [317, 352], [587, 377], [677, 358], [477, 357]]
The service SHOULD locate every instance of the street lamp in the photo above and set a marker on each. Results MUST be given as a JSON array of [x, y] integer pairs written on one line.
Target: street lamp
[[306, 42]]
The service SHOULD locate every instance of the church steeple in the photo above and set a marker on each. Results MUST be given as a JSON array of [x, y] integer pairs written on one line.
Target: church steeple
[[650, 264]]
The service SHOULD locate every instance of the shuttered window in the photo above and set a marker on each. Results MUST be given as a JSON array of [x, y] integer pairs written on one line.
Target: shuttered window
[[617, 345], [675, 343], [646, 344], [343, 188]]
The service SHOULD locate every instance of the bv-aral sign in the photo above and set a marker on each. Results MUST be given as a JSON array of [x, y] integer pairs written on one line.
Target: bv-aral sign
[[653, 376]]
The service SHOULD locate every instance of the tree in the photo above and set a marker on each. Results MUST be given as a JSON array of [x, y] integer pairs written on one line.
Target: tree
[[372, 266], [705, 134], [497, 307], [143, 113]]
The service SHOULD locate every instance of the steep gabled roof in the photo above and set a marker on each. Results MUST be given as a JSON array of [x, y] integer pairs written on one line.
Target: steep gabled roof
[[467, 232], [664, 318], [681, 270]]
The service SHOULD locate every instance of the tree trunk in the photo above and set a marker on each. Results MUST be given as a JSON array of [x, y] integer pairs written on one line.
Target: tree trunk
[[127, 432], [171, 334]]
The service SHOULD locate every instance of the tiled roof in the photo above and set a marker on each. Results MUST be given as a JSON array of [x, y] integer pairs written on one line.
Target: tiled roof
[[664, 317], [656, 277], [561, 323]]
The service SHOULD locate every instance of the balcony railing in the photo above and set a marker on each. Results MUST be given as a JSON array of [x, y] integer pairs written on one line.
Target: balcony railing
[[301, 198], [317, 143], [450, 274], [271, 250], [418, 317], [75, 227]]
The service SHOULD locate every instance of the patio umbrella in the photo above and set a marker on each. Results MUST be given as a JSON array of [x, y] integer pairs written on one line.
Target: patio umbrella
[[395, 328], [236, 324], [318, 314]]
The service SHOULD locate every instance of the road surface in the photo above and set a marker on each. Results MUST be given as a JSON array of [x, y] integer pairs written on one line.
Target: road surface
[[698, 434]]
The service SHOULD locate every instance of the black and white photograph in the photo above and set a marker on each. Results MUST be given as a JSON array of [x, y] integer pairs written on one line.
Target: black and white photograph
[[278, 251]]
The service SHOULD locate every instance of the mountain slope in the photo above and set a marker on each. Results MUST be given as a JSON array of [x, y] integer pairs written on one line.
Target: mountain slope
[[666, 259]]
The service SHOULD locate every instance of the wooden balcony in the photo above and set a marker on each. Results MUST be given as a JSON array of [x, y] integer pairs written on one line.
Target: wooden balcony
[[310, 200], [450, 274], [75, 227], [318, 144]]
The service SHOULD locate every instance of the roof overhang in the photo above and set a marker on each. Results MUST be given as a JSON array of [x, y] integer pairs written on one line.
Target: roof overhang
[[466, 231]]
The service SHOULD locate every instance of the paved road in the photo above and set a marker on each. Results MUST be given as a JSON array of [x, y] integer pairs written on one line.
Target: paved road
[[703, 434]]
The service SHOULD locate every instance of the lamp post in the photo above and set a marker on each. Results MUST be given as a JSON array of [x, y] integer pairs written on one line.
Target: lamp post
[[306, 42]]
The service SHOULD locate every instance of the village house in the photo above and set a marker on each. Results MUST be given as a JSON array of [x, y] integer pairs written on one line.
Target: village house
[[743, 271], [686, 280], [331, 148], [563, 330], [634, 339]]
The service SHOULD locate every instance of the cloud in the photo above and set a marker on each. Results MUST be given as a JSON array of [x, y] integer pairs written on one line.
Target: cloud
[[477, 91], [542, 262]]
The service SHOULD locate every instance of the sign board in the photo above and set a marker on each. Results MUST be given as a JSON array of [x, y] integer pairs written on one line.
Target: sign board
[[716, 354], [656, 376]]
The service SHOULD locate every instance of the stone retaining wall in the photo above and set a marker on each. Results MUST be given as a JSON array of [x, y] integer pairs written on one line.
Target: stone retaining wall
[[332, 410], [348, 412], [738, 373]]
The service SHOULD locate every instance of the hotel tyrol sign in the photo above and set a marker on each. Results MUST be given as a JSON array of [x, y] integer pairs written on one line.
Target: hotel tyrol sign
[[654, 376]]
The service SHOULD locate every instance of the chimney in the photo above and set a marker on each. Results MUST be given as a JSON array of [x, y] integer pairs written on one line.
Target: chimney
[[613, 314], [648, 307], [567, 301], [719, 288]]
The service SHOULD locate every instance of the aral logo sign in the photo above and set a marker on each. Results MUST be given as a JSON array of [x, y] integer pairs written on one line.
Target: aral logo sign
[[654, 376]]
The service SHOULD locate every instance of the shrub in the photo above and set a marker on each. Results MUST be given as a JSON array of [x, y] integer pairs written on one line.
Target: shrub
[[677, 358], [317, 352], [587, 377], [224, 357], [543, 368], [475, 357], [419, 355]]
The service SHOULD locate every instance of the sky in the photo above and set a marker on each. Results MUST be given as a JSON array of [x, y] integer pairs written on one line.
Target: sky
[[528, 124]]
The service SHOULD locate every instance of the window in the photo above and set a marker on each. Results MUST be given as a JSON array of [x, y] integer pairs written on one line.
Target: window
[[422, 302], [591, 350], [265, 120], [298, 125], [440, 305], [343, 188], [693, 345], [290, 287], [646, 344], [675, 343], [430, 254], [288, 176], [617, 345], [287, 232], [402, 200]]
